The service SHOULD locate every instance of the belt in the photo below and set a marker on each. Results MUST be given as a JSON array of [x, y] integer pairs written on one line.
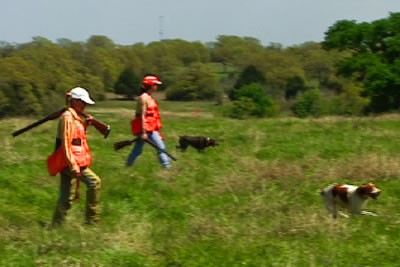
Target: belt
[[76, 142]]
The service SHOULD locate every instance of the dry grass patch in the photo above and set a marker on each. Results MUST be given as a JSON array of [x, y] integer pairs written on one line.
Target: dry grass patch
[[124, 113], [274, 169], [367, 167], [131, 234], [364, 168]]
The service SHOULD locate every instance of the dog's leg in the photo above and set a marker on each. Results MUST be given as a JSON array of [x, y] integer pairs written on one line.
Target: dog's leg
[[344, 215], [355, 207], [334, 210], [369, 213], [182, 146], [329, 202]]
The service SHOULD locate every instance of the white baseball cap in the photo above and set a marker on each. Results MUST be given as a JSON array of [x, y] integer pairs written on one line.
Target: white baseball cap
[[82, 94]]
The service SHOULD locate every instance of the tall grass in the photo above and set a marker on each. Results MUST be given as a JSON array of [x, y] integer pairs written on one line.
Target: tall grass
[[252, 201]]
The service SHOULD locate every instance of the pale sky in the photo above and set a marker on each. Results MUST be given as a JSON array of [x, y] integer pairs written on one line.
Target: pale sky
[[289, 22]]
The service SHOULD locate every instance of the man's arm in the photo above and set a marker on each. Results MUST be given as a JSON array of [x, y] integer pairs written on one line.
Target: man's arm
[[67, 128], [143, 103]]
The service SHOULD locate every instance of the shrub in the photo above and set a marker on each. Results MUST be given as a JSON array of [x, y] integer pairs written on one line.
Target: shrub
[[309, 104], [252, 100]]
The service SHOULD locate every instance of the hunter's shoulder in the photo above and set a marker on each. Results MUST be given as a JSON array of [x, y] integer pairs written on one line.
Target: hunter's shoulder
[[144, 96], [69, 113]]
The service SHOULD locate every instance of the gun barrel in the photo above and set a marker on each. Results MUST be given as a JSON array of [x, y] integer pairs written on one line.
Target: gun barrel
[[52, 116], [30, 126], [161, 150]]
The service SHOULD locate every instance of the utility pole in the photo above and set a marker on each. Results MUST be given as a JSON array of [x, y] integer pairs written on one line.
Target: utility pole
[[161, 32]]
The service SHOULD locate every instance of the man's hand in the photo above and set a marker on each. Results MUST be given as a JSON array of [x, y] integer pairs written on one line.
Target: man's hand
[[145, 136], [77, 173], [89, 119]]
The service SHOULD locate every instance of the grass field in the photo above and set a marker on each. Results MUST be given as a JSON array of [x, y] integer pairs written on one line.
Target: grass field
[[252, 201]]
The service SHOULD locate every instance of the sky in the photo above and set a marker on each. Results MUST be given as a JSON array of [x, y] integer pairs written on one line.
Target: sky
[[126, 22]]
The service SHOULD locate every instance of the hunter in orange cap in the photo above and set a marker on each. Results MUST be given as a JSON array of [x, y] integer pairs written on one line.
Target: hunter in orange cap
[[147, 122]]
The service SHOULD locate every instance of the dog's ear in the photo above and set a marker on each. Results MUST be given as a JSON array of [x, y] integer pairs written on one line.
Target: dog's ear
[[365, 189]]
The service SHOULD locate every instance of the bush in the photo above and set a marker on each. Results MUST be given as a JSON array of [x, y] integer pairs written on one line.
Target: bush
[[350, 102], [309, 104], [314, 103], [252, 100]]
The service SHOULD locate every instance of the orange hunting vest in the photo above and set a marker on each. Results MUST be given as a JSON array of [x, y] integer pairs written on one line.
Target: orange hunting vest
[[152, 121], [74, 153]]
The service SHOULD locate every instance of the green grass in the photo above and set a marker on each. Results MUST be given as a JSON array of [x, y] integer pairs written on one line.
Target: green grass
[[252, 201]]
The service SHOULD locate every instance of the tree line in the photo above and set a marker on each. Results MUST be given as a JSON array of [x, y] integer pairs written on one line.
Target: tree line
[[354, 71]]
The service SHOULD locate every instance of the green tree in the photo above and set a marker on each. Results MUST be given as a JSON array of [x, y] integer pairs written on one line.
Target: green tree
[[127, 83], [250, 74], [349, 102], [375, 58], [294, 86], [166, 56], [6, 49], [319, 64], [20, 86], [279, 66], [197, 82], [100, 58], [235, 50], [4, 103]]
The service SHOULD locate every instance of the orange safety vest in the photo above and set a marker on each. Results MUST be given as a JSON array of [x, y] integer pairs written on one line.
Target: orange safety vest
[[152, 121], [74, 151]]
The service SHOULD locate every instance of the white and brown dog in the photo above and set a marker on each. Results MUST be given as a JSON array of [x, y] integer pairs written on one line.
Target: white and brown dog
[[352, 198]]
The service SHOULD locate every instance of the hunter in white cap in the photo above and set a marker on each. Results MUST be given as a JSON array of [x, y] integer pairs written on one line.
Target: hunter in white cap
[[81, 94], [73, 159]]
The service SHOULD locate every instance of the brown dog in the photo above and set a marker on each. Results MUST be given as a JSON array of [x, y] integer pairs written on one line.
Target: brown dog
[[198, 142]]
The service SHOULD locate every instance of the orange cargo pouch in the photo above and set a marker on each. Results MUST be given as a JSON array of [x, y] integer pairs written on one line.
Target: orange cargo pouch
[[57, 162], [136, 126]]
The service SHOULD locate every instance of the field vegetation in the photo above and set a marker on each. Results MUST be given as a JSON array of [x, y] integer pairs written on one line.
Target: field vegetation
[[252, 201]]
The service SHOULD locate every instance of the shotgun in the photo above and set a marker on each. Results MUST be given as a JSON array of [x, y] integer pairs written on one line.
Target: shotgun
[[50, 117], [122, 144], [161, 150], [103, 128]]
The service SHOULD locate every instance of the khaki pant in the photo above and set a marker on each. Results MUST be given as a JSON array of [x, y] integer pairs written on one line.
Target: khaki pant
[[68, 193]]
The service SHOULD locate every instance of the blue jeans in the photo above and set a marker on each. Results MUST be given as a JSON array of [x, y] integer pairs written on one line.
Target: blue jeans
[[138, 149]]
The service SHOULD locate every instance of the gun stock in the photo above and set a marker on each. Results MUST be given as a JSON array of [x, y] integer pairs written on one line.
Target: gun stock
[[120, 145], [103, 128], [52, 116]]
